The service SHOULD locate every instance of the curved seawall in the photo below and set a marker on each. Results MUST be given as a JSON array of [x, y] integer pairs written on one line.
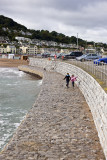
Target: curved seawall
[[95, 96], [59, 125]]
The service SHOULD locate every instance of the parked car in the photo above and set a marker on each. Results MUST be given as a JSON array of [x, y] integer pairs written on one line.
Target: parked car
[[101, 61], [53, 55], [73, 55], [45, 55], [60, 55], [87, 57]]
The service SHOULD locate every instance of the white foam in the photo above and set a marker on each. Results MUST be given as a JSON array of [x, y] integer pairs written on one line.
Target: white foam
[[12, 84], [40, 82], [16, 124], [1, 121], [13, 90], [12, 71]]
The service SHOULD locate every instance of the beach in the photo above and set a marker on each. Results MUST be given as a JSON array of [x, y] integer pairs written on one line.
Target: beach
[[12, 62]]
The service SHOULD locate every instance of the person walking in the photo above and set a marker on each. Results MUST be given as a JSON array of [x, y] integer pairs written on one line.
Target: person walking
[[67, 77], [55, 56], [73, 79]]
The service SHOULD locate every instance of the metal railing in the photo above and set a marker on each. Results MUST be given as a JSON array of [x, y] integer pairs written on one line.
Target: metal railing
[[99, 71]]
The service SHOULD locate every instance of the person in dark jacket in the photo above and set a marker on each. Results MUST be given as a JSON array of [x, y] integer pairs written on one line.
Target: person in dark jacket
[[67, 77]]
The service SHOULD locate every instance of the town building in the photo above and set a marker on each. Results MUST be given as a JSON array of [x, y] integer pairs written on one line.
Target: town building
[[11, 49], [22, 39], [4, 39], [24, 49], [3, 49], [32, 50], [64, 51]]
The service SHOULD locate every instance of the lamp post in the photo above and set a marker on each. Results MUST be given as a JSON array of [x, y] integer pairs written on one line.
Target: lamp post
[[94, 45], [94, 48], [77, 41]]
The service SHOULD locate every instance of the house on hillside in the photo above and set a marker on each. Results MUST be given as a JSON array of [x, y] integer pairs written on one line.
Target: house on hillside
[[4, 39], [23, 39], [28, 34], [22, 32]]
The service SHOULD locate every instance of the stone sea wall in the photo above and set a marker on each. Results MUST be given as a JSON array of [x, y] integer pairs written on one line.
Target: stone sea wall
[[95, 96]]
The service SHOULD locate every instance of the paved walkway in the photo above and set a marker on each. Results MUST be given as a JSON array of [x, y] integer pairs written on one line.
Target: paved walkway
[[58, 127]]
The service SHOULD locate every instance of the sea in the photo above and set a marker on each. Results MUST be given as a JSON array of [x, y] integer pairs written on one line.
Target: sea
[[18, 92]]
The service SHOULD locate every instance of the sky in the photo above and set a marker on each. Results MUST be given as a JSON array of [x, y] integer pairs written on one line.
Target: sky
[[85, 18]]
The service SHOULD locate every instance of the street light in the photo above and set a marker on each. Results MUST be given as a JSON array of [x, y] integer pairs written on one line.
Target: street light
[[77, 41]]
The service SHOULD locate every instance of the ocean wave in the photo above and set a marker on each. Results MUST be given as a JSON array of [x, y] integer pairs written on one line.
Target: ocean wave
[[17, 95], [8, 72], [1, 121]]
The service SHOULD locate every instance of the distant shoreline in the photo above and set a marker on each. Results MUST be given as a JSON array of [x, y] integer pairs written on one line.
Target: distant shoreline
[[12, 62]]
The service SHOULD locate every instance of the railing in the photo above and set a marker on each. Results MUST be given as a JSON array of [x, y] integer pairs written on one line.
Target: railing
[[99, 71]]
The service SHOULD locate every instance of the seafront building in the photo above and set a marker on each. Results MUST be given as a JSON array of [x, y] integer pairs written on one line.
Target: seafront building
[[8, 49], [24, 49], [24, 45], [3, 49], [32, 50], [11, 49]]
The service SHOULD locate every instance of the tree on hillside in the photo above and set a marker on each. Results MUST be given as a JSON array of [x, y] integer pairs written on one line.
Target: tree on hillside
[[9, 23]]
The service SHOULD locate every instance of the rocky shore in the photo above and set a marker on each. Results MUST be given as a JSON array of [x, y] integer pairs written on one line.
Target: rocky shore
[[58, 127]]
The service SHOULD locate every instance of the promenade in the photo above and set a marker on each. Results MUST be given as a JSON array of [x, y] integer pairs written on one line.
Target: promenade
[[58, 127]]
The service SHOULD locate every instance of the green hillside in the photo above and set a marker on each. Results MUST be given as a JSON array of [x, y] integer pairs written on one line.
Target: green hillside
[[10, 24], [13, 26], [14, 29]]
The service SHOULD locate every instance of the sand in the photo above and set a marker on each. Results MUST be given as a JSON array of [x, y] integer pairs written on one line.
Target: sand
[[12, 62]]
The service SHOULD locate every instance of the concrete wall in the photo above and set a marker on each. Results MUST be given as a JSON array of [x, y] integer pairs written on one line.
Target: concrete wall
[[95, 96]]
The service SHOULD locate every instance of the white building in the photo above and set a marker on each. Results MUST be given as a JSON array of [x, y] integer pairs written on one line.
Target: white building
[[32, 50], [2, 38], [90, 50], [65, 51], [22, 32], [11, 49], [22, 39], [28, 33], [11, 56], [24, 49], [41, 50], [4, 56], [3, 49]]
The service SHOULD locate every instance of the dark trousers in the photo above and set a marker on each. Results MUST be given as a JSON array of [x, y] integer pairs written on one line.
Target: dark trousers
[[67, 83], [73, 84]]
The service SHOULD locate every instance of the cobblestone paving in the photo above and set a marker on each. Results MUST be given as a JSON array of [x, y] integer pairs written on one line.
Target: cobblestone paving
[[58, 127]]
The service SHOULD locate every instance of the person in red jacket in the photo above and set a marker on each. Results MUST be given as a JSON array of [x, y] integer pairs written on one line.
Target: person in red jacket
[[55, 56]]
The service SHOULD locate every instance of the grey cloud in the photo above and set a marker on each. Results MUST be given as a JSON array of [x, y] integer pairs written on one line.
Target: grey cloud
[[66, 16]]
